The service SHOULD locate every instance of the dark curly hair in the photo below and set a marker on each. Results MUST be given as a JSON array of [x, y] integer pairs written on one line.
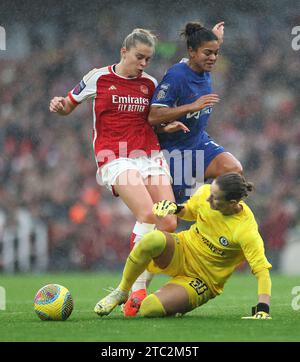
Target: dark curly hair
[[234, 186], [196, 35]]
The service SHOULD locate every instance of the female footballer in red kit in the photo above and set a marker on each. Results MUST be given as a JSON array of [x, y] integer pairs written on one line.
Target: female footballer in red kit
[[126, 147]]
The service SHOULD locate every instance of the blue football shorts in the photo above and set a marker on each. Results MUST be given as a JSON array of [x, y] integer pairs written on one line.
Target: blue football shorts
[[188, 166]]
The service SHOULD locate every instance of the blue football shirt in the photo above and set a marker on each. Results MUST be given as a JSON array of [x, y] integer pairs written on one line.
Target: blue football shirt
[[182, 85]]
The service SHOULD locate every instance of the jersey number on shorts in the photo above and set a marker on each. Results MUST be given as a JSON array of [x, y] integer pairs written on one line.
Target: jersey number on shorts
[[199, 286]]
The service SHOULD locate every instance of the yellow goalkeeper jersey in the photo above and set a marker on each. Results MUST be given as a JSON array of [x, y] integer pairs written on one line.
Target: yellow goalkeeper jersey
[[216, 244]]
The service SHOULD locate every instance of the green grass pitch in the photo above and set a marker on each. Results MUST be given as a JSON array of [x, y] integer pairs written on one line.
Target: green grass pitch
[[218, 320]]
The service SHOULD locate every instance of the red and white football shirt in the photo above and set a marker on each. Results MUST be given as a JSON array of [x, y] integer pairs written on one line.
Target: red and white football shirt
[[120, 108]]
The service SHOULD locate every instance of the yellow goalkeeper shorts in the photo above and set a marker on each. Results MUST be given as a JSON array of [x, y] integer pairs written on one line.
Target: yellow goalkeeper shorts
[[197, 289]]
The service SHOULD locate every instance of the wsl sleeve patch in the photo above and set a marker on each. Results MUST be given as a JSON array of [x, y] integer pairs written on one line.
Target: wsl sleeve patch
[[79, 88], [163, 91]]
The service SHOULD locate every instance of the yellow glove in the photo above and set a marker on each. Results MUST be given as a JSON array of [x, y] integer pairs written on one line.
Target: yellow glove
[[260, 311], [165, 207], [259, 315]]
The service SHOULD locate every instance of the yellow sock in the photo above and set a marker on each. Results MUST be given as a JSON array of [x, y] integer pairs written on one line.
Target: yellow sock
[[152, 307], [151, 246]]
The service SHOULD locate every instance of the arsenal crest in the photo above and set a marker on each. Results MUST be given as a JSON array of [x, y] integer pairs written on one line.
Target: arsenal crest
[[144, 89]]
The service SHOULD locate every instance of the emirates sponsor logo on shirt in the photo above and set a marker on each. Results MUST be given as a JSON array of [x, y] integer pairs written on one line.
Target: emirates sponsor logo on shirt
[[129, 103]]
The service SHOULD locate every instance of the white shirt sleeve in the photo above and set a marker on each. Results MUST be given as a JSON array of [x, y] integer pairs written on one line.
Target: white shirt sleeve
[[86, 88]]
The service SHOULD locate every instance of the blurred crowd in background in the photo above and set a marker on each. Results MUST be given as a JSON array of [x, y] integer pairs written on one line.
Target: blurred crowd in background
[[47, 166]]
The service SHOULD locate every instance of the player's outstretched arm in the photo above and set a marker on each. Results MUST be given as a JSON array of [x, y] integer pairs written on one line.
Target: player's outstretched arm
[[218, 30], [62, 105], [160, 115], [262, 309], [171, 127]]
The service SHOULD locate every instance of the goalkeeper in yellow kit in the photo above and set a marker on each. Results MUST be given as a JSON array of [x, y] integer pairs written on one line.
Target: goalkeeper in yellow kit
[[201, 259]]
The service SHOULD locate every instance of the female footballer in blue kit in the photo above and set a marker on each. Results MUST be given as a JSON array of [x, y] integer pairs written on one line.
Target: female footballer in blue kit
[[185, 95]]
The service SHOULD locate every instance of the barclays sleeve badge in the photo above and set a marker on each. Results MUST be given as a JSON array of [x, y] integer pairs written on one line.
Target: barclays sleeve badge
[[79, 88], [163, 91]]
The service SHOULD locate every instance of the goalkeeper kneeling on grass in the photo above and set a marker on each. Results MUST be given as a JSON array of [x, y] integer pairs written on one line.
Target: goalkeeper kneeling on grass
[[201, 259]]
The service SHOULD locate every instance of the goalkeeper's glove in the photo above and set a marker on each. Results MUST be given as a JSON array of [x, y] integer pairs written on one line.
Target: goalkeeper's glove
[[260, 311], [166, 207]]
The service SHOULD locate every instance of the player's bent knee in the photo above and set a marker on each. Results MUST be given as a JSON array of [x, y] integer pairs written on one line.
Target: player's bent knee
[[234, 167], [146, 216], [238, 168], [152, 307], [153, 243]]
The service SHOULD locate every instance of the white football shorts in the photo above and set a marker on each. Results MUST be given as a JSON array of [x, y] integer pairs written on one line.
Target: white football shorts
[[147, 166]]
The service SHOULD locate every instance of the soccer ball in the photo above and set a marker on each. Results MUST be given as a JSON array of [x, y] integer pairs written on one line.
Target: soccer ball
[[53, 302]]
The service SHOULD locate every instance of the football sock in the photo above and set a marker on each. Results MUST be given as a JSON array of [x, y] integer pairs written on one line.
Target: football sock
[[152, 307], [151, 246], [139, 230]]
